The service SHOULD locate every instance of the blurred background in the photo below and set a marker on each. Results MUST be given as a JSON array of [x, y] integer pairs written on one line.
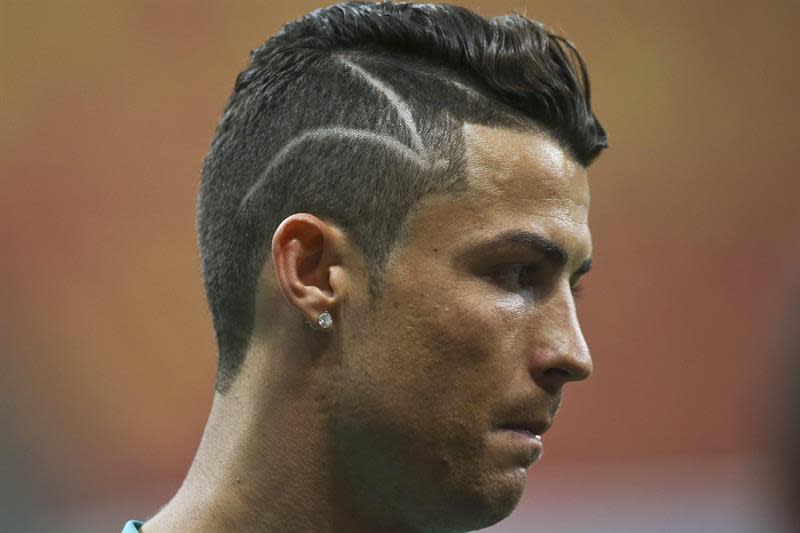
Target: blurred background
[[106, 112]]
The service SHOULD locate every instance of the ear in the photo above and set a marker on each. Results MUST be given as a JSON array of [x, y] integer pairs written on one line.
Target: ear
[[307, 256]]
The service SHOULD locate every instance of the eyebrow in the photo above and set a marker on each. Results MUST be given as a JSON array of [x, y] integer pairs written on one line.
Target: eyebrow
[[535, 242]]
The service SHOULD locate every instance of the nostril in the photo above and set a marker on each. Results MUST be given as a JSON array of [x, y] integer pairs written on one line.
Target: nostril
[[552, 379], [557, 372], [551, 367]]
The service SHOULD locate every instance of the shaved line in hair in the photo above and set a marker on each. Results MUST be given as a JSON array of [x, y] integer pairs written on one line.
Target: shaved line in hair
[[403, 111], [415, 153], [327, 134], [464, 88]]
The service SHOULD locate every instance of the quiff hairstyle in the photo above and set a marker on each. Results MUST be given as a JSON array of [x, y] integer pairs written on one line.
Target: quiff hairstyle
[[354, 113]]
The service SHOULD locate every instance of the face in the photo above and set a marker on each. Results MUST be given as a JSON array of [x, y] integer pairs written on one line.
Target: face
[[475, 331]]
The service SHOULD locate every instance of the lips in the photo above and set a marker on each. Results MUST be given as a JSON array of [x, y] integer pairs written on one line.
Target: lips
[[523, 441], [532, 428], [525, 432]]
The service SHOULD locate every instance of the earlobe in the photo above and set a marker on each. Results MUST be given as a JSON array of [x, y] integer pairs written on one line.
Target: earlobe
[[304, 250]]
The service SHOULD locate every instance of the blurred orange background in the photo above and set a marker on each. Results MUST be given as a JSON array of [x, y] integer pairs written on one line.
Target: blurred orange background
[[108, 360]]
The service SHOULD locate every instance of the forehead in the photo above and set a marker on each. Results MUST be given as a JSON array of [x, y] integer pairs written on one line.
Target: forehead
[[526, 171], [517, 181]]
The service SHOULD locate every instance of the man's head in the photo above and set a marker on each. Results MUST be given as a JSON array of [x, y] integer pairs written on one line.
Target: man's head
[[420, 173]]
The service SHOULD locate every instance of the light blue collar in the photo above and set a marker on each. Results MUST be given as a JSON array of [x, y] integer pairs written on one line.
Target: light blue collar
[[132, 526]]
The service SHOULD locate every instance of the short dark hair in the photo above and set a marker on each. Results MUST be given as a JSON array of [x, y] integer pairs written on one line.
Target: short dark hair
[[353, 113]]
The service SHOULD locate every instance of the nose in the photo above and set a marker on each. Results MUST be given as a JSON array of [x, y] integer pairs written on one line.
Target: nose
[[560, 354]]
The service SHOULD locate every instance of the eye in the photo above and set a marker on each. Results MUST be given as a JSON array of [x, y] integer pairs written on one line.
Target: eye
[[516, 276]]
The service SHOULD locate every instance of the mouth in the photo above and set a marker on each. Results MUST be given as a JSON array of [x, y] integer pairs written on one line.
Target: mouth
[[529, 428], [523, 432], [518, 430], [524, 440]]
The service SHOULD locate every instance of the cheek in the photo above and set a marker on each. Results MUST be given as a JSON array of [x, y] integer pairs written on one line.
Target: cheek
[[432, 356], [419, 380], [459, 348]]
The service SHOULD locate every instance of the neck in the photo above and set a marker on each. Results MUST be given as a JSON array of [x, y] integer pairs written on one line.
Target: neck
[[265, 463]]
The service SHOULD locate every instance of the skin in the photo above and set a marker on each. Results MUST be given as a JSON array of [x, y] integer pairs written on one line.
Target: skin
[[389, 421]]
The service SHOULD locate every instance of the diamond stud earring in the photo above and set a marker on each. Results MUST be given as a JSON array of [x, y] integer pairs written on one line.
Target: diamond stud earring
[[324, 321]]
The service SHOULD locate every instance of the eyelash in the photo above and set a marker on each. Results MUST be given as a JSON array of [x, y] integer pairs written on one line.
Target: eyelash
[[522, 270], [577, 290], [517, 272]]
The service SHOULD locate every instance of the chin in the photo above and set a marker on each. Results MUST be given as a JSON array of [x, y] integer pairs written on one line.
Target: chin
[[505, 495], [487, 501]]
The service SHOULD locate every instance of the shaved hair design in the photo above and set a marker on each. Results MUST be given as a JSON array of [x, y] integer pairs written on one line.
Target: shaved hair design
[[415, 152], [403, 111], [354, 113]]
